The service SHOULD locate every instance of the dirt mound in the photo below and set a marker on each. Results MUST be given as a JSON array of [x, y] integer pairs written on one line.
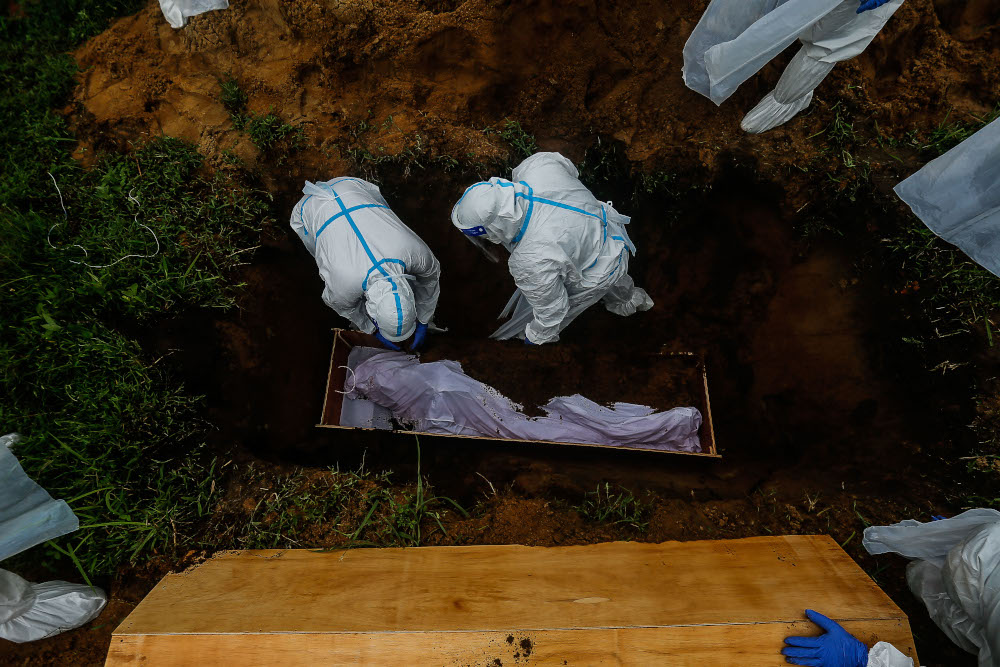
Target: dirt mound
[[392, 72]]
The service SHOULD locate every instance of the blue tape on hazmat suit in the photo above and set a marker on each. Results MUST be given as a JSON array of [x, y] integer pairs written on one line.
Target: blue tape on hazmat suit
[[568, 250], [375, 268], [958, 196]]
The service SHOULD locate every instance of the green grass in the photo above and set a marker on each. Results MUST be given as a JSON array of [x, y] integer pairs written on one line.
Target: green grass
[[144, 236], [617, 506], [269, 133], [948, 134], [233, 98], [109, 428], [332, 509]]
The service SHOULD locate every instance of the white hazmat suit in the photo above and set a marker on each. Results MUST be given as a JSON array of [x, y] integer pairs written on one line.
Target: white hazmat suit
[[367, 257], [735, 38], [567, 249], [955, 571]]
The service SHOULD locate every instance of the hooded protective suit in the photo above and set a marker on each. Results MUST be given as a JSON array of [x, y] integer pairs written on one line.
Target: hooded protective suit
[[567, 249], [367, 257]]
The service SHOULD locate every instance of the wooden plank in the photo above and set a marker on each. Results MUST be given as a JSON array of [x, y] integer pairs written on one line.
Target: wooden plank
[[333, 401], [753, 645], [486, 588]]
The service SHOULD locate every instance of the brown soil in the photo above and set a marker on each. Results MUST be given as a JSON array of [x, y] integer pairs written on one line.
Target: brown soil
[[532, 377], [823, 424], [567, 70]]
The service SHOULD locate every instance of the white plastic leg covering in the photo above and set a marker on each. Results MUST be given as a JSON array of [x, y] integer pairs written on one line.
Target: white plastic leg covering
[[793, 93]]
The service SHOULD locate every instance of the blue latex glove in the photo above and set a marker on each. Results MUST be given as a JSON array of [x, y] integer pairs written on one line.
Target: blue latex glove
[[385, 341], [836, 648], [418, 336], [870, 4], [938, 517], [528, 342]]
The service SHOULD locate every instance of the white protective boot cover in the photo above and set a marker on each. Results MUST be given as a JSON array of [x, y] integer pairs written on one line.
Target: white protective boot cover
[[35, 611]]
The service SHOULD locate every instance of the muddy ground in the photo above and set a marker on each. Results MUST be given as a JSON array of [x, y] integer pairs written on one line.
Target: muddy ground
[[824, 421]]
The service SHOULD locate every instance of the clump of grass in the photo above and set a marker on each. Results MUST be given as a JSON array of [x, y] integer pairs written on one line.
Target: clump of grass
[[332, 509], [946, 135], [521, 142], [233, 98], [957, 294], [269, 132], [617, 506]]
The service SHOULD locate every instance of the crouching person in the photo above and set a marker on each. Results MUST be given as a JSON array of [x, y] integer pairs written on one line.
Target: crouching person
[[377, 272]]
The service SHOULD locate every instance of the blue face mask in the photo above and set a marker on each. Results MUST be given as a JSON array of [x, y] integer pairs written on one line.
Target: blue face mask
[[475, 231]]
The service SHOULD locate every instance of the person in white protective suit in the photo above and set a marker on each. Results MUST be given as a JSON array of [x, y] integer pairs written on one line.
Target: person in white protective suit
[[735, 38], [567, 249], [377, 272], [955, 571]]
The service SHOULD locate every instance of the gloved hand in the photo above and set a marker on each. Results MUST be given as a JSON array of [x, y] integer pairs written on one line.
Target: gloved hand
[[836, 648], [528, 342], [870, 4], [418, 336], [385, 341]]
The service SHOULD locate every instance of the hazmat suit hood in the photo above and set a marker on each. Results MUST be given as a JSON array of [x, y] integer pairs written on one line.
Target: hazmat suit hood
[[495, 210], [390, 304]]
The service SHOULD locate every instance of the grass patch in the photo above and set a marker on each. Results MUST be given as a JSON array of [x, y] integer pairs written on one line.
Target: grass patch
[[108, 428], [233, 98], [329, 509], [268, 132], [617, 506]]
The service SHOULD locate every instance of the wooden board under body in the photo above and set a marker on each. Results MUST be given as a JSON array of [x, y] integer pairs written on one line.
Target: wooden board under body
[[333, 401], [677, 603]]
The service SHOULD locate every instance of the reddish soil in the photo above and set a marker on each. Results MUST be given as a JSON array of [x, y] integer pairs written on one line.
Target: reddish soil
[[532, 377], [567, 70], [824, 425]]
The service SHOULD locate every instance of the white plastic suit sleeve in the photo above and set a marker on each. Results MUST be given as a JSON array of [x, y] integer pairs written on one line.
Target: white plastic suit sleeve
[[958, 196], [843, 33], [735, 38], [177, 12], [28, 514], [957, 576], [34, 611], [884, 654], [931, 540]]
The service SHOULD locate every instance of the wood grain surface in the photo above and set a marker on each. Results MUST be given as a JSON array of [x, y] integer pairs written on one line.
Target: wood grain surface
[[674, 603]]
